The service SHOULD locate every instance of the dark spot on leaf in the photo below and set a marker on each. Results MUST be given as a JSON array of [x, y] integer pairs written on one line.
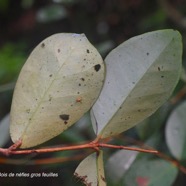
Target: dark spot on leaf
[[88, 51], [58, 50], [42, 107], [103, 178], [162, 76], [50, 75], [159, 69], [83, 179], [82, 79], [64, 117], [79, 84], [97, 67], [147, 53], [43, 45], [28, 110], [50, 99]]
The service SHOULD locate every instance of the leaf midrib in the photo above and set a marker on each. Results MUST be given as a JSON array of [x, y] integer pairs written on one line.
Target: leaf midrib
[[42, 98]]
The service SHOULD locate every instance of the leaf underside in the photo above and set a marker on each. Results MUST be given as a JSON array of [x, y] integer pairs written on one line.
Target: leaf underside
[[91, 171], [141, 75], [175, 132], [58, 84]]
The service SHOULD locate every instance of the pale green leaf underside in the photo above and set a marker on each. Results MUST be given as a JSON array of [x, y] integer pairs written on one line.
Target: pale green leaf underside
[[141, 75], [176, 132], [91, 170], [59, 83]]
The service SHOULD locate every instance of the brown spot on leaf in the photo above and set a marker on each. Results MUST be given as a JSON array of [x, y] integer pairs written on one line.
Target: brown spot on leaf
[[50, 75], [64, 117], [78, 99], [88, 51], [43, 45], [103, 178], [83, 179], [58, 50], [97, 67]]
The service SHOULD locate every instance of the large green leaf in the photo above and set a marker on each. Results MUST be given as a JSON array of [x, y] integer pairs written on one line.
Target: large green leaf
[[141, 75], [175, 132], [59, 83], [91, 170]]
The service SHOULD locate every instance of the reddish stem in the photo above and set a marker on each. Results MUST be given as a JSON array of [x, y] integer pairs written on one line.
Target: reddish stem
[[93, 145], [96, 145]]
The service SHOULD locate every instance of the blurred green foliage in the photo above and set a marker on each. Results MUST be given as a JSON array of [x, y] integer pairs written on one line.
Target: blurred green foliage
[[11, 60]]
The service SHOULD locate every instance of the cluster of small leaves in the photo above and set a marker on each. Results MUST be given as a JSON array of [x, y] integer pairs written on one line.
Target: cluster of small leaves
[[64, 76]]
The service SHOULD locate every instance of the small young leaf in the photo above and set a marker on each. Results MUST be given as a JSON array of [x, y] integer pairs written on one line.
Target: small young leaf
[[91, 170], [175, 132], [141, 75], [59, 83]]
